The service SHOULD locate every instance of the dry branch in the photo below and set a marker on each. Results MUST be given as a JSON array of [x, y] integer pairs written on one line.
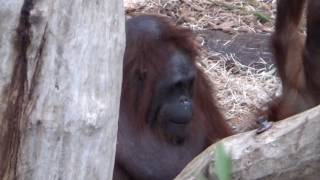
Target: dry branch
[[289, 150]]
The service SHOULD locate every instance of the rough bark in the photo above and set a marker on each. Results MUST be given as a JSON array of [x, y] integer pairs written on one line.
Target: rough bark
[[290, 150], [60, 83]]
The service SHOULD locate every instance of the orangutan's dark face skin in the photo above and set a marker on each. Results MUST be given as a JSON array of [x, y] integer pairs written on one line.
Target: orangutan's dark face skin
[[172, 103]]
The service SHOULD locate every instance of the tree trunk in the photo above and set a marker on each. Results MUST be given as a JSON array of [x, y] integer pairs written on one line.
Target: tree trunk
[[60, 83], [289, 150]]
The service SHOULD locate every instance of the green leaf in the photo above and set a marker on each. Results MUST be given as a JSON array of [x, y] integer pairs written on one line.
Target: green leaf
[[222, 163], [262, 17]]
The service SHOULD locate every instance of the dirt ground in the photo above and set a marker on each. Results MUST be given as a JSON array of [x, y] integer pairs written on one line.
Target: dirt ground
[[249, 48]]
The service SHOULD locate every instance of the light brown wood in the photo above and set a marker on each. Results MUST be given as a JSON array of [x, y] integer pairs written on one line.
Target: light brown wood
[[289, 150], [60, 84]]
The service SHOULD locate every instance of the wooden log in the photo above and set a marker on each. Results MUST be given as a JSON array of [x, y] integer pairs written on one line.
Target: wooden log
[[289, 150], [60, 84]]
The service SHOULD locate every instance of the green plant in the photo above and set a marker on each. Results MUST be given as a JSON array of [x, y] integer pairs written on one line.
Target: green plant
[[222, 163]]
